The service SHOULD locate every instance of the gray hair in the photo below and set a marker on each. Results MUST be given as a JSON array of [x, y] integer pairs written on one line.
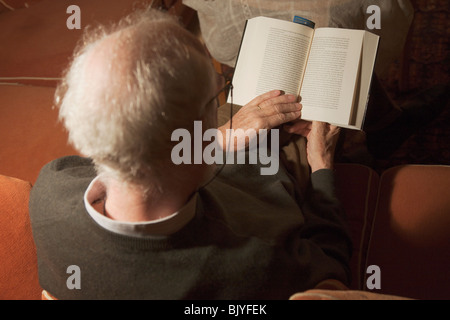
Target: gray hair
[[123, 116]]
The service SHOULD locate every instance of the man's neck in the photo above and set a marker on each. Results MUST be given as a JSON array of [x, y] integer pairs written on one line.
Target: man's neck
[[130, 204]]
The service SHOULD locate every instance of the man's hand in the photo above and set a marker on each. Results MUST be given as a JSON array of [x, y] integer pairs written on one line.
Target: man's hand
[[322, 139], [266, 111]]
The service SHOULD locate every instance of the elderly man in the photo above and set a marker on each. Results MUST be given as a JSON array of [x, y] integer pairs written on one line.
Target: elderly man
[[135, 225]]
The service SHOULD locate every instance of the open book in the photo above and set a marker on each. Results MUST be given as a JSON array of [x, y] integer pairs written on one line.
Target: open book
[[330, 68]]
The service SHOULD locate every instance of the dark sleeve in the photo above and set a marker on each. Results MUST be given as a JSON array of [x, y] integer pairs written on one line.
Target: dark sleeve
[[325, 221]]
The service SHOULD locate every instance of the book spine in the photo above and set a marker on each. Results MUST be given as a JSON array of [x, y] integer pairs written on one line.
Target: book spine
[[237, 58]]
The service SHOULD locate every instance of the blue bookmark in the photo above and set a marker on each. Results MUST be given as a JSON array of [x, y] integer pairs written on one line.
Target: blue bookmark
[[304, 21]]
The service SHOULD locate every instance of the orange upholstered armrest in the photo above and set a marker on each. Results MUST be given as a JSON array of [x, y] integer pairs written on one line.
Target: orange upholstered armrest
[[18, 267]]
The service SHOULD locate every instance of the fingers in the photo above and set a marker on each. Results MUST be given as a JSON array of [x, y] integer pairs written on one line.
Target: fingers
[[298, 124], [276, 101], [300, 127], [268, 95], [280, 109], [306, 128], [324, 129], [334, 129], [321, 145], [280, 104], [269, 111]]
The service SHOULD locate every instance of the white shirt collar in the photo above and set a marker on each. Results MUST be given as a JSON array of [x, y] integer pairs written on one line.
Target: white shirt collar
[[96, 191]]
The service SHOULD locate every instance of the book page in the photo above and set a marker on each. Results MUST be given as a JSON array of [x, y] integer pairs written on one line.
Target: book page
[[273, 56], [369, 54], [328, 89]]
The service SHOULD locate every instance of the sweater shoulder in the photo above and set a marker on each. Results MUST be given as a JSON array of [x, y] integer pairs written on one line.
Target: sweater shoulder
[[60, 184], [62, 170], [69, 165]]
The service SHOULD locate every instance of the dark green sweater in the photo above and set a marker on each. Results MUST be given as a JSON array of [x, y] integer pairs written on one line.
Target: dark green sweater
[[252, 238]]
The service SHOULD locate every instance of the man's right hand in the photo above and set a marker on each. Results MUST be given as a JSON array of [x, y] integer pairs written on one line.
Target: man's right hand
[[266, 111]]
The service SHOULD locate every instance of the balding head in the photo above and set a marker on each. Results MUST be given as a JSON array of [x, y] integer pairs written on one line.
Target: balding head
[[129, 88]]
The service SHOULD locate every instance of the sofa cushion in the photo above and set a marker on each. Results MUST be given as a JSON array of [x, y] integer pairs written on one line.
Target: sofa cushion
[[357, 188], [18, 267], [30, 134], [410, 240]]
